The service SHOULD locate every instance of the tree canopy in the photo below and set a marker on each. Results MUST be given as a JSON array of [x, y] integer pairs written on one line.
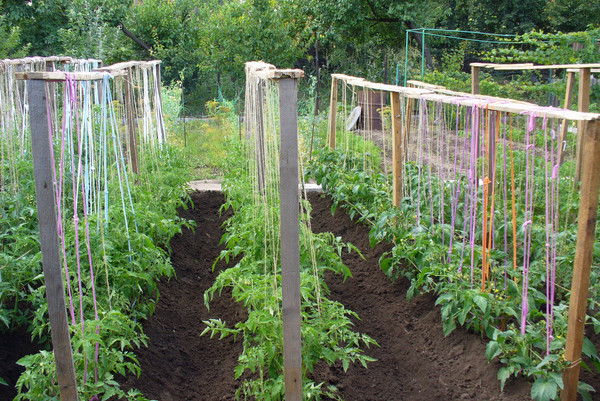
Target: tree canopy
[[204, 43]]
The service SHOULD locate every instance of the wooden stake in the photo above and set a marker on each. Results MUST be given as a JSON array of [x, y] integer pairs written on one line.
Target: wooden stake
[[41, 146], [259, 137], [407, 125], [475, 79], [396, 148], [583, 103], [564, 126], [588, 212], [333, 112], [290, 239], [130, 115]]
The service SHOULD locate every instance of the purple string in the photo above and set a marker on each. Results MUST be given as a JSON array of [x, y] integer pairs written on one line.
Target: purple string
[[443, 167], [474, 184], [505, 196], [58, 191], [529, 184]]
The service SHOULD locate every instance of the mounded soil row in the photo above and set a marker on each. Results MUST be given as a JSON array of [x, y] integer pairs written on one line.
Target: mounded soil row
[[414, 359]]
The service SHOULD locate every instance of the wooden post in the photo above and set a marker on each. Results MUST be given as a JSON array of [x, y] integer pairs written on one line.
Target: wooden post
[[290, 239], [160, 122], [396, 148], [583, 103], [259, 137], [41, 146], [564, 126], [475, 79], [407, 125], [333, 112], [588, 212], [130, 115]]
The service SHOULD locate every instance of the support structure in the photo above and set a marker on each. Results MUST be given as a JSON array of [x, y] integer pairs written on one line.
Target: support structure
[[396, 149], [289, 221], [475, 69], [43, 168], [586, 231], [133, 153], [583, 105], [290, 238], [564, 125], [333, 112]]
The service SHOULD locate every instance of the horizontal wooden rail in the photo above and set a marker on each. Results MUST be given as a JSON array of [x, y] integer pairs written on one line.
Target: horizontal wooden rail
[[467, 99]]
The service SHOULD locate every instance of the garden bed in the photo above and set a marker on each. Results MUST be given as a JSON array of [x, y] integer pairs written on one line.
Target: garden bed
[[415, 361]]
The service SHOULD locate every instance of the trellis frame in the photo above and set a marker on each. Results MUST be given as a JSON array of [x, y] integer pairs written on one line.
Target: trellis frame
[[42, 151], [590, 185], [289, 222]]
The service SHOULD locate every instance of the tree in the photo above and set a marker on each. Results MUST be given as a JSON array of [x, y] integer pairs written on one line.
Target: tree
[[10, 41]]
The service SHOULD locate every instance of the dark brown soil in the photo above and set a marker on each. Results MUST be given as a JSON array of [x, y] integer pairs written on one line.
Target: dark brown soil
[[14, 346], [179, 364], [414, 361]]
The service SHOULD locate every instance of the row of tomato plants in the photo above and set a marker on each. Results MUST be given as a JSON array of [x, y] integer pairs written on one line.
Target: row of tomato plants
[[251, 240], [420, 254], [126, 276]]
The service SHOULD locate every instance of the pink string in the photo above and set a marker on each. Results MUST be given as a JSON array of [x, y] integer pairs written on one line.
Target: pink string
[[58, 191], [529, 184]]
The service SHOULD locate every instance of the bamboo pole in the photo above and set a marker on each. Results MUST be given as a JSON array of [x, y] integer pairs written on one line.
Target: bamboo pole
[[583, 103], [333, 112], [564, 126], [290, 239], [588, 212], [41, 146], [396, 148]]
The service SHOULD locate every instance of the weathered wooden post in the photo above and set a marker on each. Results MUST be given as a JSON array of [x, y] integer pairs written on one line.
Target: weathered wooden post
[[290, 236], [583, 103], [333, 112], [564, 126], [475, 69], [43, 168], [130, 115], [396, 148], [588, 212]]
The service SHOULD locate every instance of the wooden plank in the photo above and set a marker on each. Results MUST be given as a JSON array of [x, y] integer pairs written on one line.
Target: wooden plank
[[130, 115], [41, 146], [509, 67], [61, 76], [466, 99], [583, 105], [475, 79], [290, 239], [588, 212], [593, 70], [279, 74], [565, 123], [425, 85], [492, 65], [396, 149], [333, 112], [127, 65]]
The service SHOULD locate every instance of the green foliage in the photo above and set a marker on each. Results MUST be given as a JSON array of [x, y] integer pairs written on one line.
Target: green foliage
[[255, 281], [125, 281], [421, 255], [10, 40], [549, 48]]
